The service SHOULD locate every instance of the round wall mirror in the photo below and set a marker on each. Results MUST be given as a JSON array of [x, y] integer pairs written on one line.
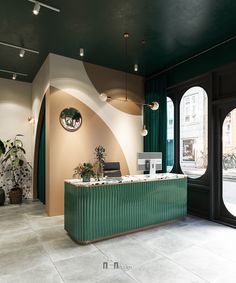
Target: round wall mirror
[[70, 119]]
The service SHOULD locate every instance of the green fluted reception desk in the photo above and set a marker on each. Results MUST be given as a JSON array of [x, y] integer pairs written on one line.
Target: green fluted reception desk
[[96, 211]]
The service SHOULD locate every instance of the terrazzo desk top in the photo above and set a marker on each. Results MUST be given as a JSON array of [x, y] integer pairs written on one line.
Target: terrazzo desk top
[[126, 179]]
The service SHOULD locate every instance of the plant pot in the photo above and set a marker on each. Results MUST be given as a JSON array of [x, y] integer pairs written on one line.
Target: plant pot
[[2, 197], [15, 195], [86, 178]]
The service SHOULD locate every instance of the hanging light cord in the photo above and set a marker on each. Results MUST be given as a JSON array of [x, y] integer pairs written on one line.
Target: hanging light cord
[[126, 36]]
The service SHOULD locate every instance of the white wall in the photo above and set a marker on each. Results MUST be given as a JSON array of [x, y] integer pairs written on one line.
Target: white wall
[[40, 85], [15, 108]]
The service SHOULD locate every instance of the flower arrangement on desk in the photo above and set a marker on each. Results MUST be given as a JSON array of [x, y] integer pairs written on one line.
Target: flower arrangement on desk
[[85, 170]]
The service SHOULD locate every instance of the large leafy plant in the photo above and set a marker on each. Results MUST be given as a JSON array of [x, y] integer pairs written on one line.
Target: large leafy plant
[[14, 160], [2, 148]]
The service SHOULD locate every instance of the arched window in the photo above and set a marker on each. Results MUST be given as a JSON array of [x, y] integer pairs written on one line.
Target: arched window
[[229, 161], [193, 132], [170, 134]]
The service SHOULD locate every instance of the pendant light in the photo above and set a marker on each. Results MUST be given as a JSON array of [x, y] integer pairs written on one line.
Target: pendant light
[[153, 105], [144, 131]]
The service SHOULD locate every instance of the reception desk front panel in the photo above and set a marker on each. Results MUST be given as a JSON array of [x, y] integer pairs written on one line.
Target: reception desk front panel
[[95, 212]]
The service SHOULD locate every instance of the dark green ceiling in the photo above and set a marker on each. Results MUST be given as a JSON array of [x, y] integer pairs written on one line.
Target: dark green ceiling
[[173, 30]]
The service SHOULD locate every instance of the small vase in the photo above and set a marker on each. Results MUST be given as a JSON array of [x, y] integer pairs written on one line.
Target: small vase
[[86, 178], [100, 172]]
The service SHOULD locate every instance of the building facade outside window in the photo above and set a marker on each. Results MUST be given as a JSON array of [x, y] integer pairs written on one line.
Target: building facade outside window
[[229, 161], [194, 132]]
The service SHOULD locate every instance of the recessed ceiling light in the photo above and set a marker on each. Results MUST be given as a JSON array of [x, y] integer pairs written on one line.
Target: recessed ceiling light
[[22, 53], [81, 52], [36, 8], [14, 75]]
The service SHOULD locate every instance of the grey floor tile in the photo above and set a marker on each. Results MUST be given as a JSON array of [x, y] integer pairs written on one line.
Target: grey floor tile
[[46, 222], [64, 248], [197, 232], [223, 246], [11, 225], [167, 243], [45, 273], [85, 268], [164, 271], [22, 259], [206, 264], [117, 278], [15, 241], [48, 234], [148, 234], [126, 251]]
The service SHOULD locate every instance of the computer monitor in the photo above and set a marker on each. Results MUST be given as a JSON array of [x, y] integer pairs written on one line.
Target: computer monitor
[[150, 161]]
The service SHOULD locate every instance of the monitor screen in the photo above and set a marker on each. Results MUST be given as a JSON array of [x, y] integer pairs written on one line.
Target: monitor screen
[[150, 161]]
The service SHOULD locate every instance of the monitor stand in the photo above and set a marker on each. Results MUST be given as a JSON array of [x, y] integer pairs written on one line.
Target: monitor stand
[[152, 167]]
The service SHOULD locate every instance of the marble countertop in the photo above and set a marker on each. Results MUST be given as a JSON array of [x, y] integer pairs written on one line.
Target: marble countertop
[[126, 179]]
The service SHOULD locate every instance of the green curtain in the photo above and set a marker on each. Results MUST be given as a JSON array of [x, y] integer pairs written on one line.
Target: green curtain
[[41, 164], [156, 121]]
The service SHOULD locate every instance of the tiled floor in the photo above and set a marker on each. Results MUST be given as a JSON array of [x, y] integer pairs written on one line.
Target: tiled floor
[[35, 248]]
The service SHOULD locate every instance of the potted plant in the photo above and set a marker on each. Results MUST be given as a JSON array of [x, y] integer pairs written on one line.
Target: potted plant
[[85, 170], [2, 192], [100, 156], [14, 162]]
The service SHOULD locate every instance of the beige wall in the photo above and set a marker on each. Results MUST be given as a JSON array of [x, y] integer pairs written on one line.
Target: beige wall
[[73, 77], [15, 108], [117, 126], [65, 150], [112, 83]]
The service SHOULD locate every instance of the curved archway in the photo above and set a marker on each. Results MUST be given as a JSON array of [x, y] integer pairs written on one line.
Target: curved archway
[[229, 161], [39, 157]]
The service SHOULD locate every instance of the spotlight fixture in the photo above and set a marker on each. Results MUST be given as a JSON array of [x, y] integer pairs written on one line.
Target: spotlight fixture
[[154, 105], [103, 97], [31, 120], [14, 75], [81, 52], [21, 48], [36, 8], [22, 53], [136, 67], [144, 131], [38, 5]]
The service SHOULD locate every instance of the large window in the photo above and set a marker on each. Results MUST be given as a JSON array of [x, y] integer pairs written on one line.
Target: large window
[[193, 132], [229, 162], [170, 134]]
